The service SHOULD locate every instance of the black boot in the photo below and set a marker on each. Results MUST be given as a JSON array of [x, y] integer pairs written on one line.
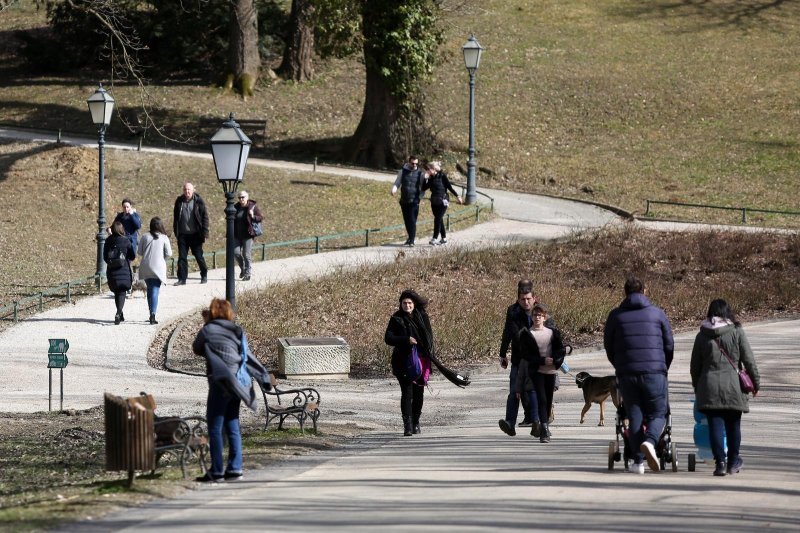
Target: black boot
[[415, 426], [117, 318], [545, 433], [153, 318], [407, 430]]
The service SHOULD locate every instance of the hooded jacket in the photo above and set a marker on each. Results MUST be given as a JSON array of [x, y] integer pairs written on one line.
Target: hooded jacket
[[638, 338], [715, 381], [220, 341]]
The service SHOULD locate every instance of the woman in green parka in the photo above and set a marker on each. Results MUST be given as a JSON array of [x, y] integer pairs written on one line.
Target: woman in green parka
[[716, 381]]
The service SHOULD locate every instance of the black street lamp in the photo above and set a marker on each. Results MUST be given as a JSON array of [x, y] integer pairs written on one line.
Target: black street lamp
[[472, 59], [101, 106], [230, 148]]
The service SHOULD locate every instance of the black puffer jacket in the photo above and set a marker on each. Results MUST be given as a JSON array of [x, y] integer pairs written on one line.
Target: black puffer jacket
[[119, 277], [402, 326]]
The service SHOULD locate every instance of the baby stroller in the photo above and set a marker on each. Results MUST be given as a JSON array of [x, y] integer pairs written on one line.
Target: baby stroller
[[666, 450]]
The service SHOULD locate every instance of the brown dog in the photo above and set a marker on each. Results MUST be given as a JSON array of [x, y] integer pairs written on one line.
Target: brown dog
[[597, 390]]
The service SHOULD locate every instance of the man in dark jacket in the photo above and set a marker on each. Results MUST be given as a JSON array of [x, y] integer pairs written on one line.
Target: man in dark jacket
[[409, 183], [190, 225], [638, 343], [518, 317]]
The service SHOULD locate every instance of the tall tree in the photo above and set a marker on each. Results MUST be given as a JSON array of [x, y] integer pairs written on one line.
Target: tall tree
[[298, 55], [244, 59], [399, 41]]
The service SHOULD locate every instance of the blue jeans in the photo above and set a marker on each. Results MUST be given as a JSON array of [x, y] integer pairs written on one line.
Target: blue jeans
[[645, 399], [529, 405], [153, 286], [222, 412], [720, 423]]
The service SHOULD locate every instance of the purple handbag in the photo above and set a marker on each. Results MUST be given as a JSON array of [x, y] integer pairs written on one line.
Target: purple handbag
[[745, 382]]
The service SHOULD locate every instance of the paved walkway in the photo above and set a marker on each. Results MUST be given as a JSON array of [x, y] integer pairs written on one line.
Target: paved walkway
[[468, 476], [462, 473]]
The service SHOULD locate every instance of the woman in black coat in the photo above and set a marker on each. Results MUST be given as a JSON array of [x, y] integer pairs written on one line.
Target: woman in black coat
[[436, 180], [408, 327], [118, 254]]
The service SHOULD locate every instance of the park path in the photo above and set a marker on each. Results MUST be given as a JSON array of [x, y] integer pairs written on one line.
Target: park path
[[104, 357], [465, 475], [461, 473]]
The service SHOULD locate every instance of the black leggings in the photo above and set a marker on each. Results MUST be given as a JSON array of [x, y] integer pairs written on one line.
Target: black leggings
[[411, 399], [119, 299], [438, 220], [545, 386]]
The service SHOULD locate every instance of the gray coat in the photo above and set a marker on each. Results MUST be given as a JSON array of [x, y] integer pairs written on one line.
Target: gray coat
[[153, 253], [220, 342], [715, 382]]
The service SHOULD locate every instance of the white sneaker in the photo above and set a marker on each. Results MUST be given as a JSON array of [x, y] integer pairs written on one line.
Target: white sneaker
[[433, 242], [637, 468], [444, 241], [649, 452]]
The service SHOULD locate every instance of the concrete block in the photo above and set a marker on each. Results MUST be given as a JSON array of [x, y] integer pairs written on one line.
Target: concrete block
[[314, 357]]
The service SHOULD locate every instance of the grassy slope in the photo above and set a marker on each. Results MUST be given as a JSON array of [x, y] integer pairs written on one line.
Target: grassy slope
[[49, 211], [650, 99]]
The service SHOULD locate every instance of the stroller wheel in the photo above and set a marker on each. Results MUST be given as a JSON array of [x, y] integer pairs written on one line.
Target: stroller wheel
[[674, 457], [612, 454], [692, 461]]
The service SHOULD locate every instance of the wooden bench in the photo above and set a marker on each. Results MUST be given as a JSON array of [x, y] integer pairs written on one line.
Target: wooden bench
[[301, 403], [256, 128], [183, 438]]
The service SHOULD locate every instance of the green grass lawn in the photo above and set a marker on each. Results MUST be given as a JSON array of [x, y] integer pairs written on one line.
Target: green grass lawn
[[616, 101]]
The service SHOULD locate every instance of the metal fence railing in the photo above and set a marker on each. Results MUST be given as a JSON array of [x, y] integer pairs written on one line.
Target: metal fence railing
[[66, 291], [743, 210]]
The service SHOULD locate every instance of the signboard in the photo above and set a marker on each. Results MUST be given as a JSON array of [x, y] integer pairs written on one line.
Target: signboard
[[57, 360]]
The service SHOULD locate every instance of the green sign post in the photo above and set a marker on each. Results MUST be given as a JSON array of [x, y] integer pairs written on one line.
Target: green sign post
[[56, 358]]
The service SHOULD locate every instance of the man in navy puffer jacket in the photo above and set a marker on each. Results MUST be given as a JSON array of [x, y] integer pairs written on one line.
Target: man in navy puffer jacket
[[638, 342]]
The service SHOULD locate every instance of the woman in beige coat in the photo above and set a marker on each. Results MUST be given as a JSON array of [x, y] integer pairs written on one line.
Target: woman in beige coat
[[154, 248]]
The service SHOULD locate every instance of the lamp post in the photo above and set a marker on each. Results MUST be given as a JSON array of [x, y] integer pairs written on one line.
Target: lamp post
[[101, 106], [472, 59], [230, 148]]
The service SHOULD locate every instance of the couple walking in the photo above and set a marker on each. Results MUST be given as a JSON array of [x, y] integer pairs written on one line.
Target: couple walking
[[191, 227], [412, 181]]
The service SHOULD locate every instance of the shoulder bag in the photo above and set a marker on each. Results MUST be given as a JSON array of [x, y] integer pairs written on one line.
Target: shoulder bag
[[745, 382]]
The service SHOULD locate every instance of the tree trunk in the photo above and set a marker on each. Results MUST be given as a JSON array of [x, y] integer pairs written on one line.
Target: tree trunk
[[371, 144], [298, 55], [245, 61]]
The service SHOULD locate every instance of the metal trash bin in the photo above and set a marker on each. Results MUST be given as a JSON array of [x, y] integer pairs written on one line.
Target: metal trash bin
[[130, 436]]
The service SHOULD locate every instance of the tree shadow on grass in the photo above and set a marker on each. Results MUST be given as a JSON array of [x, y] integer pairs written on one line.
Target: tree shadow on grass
[[701, 15], [7, 160]]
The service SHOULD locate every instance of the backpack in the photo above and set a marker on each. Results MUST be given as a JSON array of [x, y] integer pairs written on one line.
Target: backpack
[[413, 365], [116, 258]]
